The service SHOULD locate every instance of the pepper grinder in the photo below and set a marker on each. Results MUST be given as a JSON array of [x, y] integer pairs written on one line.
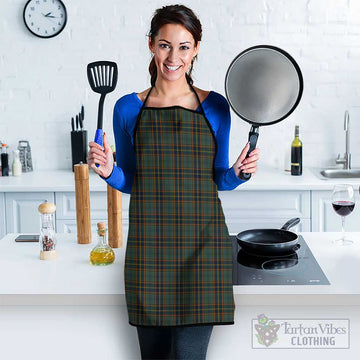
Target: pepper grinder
[[82, 197], [47, 233], [114, 210]]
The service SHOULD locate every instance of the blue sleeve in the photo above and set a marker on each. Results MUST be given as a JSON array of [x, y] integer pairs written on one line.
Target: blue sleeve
[[217, 112], [125, 115]]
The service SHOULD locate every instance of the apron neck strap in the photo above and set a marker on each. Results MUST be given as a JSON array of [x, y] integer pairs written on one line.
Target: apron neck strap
[[198, 99], [191, 87], [146, 98]]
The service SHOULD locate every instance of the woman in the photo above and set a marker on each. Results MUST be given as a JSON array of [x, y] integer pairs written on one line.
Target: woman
[[172, 156]]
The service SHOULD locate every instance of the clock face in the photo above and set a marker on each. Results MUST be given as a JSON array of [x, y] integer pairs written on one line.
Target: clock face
[[45, 18]]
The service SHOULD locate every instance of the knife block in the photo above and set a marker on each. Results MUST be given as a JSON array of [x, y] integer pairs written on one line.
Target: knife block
[[78, 147]]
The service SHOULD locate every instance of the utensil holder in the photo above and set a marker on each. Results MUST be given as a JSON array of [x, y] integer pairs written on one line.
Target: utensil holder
[[78, 147]]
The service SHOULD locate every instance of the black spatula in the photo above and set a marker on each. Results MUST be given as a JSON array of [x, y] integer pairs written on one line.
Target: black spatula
[[102, 76]]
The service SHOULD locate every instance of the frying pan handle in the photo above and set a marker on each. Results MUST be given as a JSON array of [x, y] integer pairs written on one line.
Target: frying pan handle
[[253, 137], [291, 223]]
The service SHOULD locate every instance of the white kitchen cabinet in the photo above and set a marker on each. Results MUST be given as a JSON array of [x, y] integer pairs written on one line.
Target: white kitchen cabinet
[[22, 214], [243, 210], [324, 217], [2, 216], [265, 209]]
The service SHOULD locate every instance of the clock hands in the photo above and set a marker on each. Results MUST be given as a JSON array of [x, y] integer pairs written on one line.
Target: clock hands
[[49, 16]]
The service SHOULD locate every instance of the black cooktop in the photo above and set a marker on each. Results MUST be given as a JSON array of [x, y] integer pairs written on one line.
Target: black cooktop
[[297, 268]]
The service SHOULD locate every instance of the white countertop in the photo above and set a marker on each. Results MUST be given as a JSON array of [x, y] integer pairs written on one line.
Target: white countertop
[[23, 273], [265, 179]]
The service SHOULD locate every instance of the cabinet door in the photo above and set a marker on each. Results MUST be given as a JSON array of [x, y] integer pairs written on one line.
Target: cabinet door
[[2, 216], [324, 217], [22, 211]]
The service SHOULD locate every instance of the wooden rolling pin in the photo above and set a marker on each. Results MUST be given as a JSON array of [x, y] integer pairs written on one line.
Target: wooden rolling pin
[[82, 196]]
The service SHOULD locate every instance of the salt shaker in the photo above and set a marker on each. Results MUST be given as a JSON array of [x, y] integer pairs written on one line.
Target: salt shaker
[[47, 233]]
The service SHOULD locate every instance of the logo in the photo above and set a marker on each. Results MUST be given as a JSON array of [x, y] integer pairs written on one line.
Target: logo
[[266, 330], [300, 333]]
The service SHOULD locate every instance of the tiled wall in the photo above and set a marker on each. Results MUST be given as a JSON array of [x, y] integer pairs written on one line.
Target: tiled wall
[[43, 82]]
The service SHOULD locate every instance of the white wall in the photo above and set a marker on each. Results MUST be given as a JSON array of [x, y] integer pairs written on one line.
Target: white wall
[[43, 82]]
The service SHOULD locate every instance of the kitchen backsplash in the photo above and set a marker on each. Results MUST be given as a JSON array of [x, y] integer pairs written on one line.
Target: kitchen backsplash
[[43, 81]]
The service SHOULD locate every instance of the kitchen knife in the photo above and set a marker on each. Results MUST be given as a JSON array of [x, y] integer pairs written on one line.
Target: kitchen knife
[[80, 121], [77, 122], [82, 112], [72, 124]]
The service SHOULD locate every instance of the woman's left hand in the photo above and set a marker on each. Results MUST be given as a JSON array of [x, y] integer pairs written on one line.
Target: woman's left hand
[[248, 165]]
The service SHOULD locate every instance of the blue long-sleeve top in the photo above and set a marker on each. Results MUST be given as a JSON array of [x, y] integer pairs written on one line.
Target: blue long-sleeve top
[[126, 111]]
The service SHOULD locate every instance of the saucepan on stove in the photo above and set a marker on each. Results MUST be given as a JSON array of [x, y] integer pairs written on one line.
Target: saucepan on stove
[[270, 241]]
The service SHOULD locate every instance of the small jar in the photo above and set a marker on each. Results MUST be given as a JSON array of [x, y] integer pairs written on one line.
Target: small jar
[[47, 233], [102, 253]]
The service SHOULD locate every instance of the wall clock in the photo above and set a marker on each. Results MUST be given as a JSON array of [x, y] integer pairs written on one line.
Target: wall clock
[[45, 18]]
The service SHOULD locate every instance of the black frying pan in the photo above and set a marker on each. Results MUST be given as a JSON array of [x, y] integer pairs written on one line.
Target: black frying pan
[[263, 85], [270, 241]]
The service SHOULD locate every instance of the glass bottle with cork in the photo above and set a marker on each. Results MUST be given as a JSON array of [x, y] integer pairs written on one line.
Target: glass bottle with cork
[[102, 253], [296, 154], [47, 233]]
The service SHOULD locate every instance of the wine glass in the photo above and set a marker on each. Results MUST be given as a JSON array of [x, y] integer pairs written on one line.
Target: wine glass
[[343, 203]]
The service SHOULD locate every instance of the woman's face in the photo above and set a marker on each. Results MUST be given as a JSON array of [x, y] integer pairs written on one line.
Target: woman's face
[[173, 49]]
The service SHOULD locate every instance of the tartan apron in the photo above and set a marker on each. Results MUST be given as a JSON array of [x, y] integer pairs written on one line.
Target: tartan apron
[[178, 263]]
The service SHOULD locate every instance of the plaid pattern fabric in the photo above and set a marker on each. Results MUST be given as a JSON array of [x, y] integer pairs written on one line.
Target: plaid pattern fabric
[[178, 266]]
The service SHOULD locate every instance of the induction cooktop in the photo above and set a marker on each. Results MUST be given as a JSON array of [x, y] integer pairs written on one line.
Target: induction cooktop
[[297, 268]]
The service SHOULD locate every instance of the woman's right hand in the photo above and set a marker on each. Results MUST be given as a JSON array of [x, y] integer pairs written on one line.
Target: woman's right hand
[[102, 156]]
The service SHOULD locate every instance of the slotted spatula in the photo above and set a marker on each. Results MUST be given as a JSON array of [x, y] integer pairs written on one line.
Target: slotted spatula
[[102, 76]]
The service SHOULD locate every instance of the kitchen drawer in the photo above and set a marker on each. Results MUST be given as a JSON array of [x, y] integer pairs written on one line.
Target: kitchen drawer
[[22, 211], [66, 205], [263, 204], [69, 226]]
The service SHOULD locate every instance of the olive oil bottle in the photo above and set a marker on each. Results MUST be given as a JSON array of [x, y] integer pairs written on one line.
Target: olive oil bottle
[[102, 253], [296, 154]]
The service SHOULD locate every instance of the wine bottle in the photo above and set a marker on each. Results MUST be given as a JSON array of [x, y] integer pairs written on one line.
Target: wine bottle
[[296, 154]]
